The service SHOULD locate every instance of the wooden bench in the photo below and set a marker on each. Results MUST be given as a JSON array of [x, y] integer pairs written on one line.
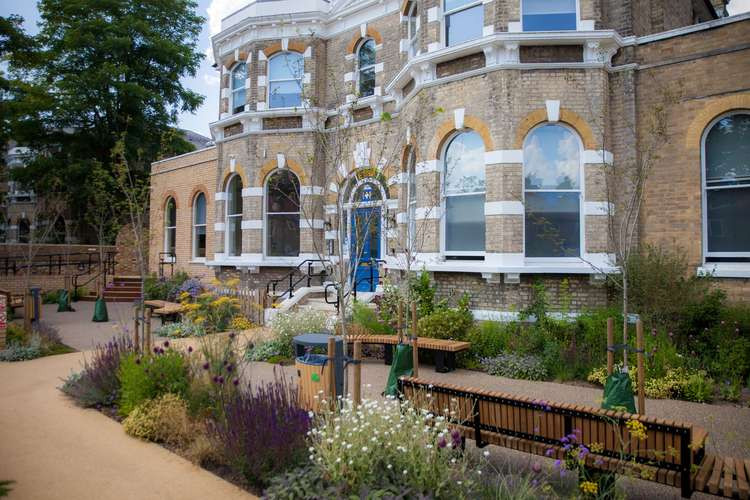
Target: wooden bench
[[667, 455], [167, 311], [12, 301], [445, 350]]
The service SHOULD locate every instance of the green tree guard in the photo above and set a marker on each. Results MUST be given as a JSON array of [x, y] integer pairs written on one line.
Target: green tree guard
[[618, 393], [401, 366], [100, 311]]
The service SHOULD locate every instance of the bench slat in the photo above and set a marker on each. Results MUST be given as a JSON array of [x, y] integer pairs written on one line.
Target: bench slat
[[743, 489], [713, 482], [728, 476], [705, 470]]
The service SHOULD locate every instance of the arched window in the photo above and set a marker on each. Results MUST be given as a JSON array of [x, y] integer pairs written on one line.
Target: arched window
[[366, 68], [170, 227], [282, 214], [285, 72], [239, 76], [552, 192], [411, 188], [464, 20], [548, 15], [24, 230], [199, 226], [726, 159], [234, 217], [412, 28], [464, 191]]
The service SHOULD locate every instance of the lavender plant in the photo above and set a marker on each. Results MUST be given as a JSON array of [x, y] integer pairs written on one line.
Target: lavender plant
[[263, 430], [511, 365], [97, 384]]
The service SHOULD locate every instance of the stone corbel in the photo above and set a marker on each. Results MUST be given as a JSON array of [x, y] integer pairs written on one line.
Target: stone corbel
[[596, 52], [509, 54], [423, 72]]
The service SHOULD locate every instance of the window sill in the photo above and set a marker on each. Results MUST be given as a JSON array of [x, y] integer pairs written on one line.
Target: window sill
[[724, 270], [198, 260]]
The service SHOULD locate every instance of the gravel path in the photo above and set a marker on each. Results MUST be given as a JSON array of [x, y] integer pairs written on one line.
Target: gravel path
[[55, 450]]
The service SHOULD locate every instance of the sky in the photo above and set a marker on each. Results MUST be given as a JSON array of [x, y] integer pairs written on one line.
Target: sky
[[206, 80]]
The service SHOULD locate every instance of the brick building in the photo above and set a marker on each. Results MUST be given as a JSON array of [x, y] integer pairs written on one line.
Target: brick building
[[471, 138]]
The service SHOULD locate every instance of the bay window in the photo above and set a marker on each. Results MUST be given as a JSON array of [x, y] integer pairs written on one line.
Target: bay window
[[239, 76], [552, 192], [285, 73], [464, 191], [366, 68], [282, 214], [464, 21], [548, 15], [234, 217]]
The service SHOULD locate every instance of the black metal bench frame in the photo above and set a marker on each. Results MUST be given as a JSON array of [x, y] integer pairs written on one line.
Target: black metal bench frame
[[445, 361]]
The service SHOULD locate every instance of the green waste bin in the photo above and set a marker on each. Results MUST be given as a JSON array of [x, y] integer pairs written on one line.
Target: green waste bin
[[402, 366], [63, 301]]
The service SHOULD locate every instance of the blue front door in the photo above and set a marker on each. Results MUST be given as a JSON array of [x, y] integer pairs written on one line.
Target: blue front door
[[365, 246]]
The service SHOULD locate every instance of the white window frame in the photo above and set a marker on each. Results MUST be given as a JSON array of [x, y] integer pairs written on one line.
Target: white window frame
[[361, 69], [704, 195], [196, 225], [447, 13], [168, 228], [271, 80], [227, 232], [266, 213], [444, 197], [581, 199], [241, 88], [349, 204], [578, 19], [412, 16]]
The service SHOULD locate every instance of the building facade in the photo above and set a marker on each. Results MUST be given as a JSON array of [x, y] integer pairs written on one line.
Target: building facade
[[475, 139]]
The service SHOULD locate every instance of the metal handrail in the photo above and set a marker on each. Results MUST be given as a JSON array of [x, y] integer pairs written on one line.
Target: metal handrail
[[353, 290], [170, 262], [271, 285], [52, 262], [107, 267]]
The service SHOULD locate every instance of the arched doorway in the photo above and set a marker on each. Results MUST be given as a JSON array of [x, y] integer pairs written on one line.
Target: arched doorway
[[365, 209]]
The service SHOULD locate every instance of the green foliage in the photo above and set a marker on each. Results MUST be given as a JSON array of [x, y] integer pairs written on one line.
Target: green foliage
[[15, 334], [368, 321], [539, 305], [268, 350], [521, 366], [699, 388], [162, 420], [5, 485], [152, 375], [489, 338], [87, 80], [156, 288], [287, 325], [23, 352], [453, 324], [51, 297], [211, 311], [180, 330]]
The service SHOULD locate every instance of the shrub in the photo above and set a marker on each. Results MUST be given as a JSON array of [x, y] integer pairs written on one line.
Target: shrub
[[202, 449], [147, 377], [263, 431], [212, 311], [285, 326], [162, 420], [15, 334], [98, 382], [526, 367], [191, 286], [180, 330], [489, 338], [304, 482], [51, 297], [386, 443], [699, 388], [240, 323], [18, 352], [162, 288], [5, 488], [453, 324], [367, 320], [267, 350]]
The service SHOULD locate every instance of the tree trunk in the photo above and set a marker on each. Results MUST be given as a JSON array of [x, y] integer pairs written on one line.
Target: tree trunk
[[625, 319]]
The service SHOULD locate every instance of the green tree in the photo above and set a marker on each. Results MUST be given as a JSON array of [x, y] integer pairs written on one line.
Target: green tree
[[102, 71]]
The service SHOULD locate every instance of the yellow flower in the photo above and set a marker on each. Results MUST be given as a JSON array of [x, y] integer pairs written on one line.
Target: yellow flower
[[637, 429], [589, 487], [596, 447]]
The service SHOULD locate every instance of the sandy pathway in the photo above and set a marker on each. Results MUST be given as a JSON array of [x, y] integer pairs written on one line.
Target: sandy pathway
[[53, 449]]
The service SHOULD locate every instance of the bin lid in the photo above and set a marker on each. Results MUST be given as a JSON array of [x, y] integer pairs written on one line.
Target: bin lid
[[313, 359], [315, 339]]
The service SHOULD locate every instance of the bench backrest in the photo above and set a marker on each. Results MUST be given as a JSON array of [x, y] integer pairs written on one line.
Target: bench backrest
[[539, 426]]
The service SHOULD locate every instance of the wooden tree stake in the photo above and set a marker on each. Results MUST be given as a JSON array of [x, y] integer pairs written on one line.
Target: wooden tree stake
[[400, 325], [610, 343], [641, 368], [414, 348], [357, 372], [332, 366], [147, 329], [136, 338]]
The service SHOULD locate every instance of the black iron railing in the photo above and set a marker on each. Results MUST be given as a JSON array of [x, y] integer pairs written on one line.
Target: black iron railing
[[166, 259], [56, 263], [291, 281], [371, 279]]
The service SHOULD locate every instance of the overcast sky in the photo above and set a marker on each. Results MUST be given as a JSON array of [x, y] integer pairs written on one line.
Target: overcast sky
[[206, 80]]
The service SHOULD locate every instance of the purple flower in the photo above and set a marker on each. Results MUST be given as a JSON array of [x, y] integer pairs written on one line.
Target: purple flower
[[598, 462], [166, 343], [161, 351], [137, 361], [558, 463], [216, 379], [231, 335], [549, 452], [564, 439], [653, 332], [534, 483], [206, 366], [220, 380], [455, 434], [537, 468], [442, 443], [156, 350], [190, 348], [671, 335], [230, 368], [236, 382]]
